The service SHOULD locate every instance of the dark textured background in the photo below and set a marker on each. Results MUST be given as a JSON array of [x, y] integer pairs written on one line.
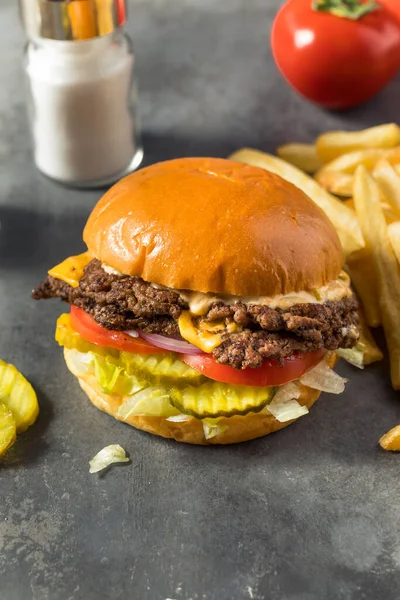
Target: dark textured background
[[311, 513]]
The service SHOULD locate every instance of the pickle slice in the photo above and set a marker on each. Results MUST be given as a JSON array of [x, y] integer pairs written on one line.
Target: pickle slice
[[18, 395], [161, 368], [8, 433], [67, 337], [213, 399]]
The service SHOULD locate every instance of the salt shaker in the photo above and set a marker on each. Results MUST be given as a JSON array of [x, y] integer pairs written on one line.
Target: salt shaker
[[81, 90]]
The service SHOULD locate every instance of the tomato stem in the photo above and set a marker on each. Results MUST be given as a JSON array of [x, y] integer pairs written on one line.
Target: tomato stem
[[348, 9]]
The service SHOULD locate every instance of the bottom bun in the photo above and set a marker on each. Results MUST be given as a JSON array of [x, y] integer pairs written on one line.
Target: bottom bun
[[239, 429]]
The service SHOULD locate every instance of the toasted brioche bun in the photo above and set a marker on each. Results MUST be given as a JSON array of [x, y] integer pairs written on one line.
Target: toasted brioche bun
[[240, 429], [214, 225]]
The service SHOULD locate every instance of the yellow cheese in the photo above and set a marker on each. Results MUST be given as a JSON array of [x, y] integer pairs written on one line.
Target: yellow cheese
[[71, 269], [204, 340]]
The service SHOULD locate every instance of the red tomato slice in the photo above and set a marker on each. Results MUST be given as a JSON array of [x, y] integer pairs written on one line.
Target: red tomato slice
[[91, 331], [269, 374]]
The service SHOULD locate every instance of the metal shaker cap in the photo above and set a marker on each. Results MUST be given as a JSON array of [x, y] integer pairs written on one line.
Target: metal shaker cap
[[71, 19]]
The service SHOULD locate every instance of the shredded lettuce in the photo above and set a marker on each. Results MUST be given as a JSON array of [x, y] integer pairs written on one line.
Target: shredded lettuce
[[212, 428], [354, 356], [287, 411], [110, 375], [324, 378], [289, 391], [82, 362], [284, 407], [181, 418], [153, 401], [106, 373], [106, 457]]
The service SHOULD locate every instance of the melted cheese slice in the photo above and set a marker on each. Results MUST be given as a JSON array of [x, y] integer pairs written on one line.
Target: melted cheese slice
[[200, 337], [71, 269]]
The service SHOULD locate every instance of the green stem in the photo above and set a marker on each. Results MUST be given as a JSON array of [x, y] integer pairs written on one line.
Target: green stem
[[348, 9]]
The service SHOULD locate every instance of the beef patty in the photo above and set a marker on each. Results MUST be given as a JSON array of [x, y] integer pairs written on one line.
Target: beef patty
[[123, 302]]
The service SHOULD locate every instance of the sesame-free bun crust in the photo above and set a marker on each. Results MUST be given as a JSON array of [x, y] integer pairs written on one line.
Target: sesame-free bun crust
[[240, 429], [214, 225]]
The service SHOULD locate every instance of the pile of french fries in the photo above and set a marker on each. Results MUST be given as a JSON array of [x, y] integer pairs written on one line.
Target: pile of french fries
[[354, 177]]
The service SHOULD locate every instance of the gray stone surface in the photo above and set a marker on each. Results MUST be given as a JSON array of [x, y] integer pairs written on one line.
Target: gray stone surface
[[311, 513]]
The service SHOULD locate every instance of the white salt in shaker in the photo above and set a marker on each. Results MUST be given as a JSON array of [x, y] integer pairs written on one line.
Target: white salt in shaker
[[81, 90]]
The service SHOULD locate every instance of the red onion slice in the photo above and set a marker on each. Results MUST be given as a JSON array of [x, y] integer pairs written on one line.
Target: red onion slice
[[168, 343]]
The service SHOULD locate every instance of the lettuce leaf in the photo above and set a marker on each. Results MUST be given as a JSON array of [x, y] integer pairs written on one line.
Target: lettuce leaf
[[181, 418], [354, 356], [212, 428], [287, 411], [284, 407], [152, 401], [106, 457], [106, 373], [324, 378]]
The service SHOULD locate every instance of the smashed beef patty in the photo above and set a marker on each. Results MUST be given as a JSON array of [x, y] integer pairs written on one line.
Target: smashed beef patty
[[123, 302]]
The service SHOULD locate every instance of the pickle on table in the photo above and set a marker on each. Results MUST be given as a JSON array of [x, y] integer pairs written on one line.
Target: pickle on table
[[214, 399], [8, 430], [18, 396]]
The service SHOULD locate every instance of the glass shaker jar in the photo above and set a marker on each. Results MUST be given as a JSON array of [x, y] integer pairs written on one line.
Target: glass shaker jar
[[81, 90]]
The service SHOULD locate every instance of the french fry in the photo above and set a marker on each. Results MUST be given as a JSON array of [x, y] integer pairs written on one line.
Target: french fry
[[371, 350], [335, 143], [348, 163], [336, 182], [389, 182], [391, 216], [302, 156], [342, 217], [391, 440], [394, 236], [349, 202], [363, 276], [366, 198]]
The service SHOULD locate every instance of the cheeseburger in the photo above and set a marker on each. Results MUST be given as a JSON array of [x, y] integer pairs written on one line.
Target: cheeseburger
[[210, 304]]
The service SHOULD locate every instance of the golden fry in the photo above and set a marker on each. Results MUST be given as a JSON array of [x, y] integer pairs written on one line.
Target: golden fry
[[302, 156], [332, 144], [391, 440], [373, 224], [342, 217], [391, 216], [371, 350], [335, 182], [348, 163], [363, 276], [394, 236], [389, 182]]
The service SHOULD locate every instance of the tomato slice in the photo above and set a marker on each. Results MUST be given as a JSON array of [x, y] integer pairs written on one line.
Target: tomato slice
[[91, 331], [270, 373]]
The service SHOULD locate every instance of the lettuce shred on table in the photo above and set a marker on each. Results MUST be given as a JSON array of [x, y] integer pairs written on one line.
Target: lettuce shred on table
[[106, 457]]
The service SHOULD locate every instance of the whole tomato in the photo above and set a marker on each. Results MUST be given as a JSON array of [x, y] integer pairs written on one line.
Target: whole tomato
[[393, 6], [336, 61]]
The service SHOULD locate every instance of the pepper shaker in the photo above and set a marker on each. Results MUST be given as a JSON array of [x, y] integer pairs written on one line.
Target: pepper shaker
[[81, 90]]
